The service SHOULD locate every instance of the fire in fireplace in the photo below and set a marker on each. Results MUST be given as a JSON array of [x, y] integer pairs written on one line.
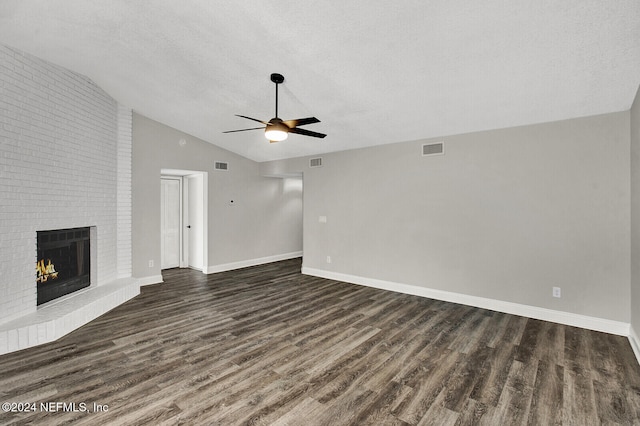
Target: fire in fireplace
[[45, 272], [63, 264]]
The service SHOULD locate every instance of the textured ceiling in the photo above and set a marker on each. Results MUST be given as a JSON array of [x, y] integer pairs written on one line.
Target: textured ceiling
[[373, 71]]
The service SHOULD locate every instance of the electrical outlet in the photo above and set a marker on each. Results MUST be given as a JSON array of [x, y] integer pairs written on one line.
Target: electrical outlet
[[328, 259], [557, 292], [151, 264]]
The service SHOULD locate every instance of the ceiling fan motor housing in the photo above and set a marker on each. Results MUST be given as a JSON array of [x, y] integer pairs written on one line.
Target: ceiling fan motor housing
[[276, 131]]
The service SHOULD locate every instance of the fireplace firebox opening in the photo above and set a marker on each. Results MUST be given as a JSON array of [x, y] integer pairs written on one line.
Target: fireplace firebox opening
[[63, 264]]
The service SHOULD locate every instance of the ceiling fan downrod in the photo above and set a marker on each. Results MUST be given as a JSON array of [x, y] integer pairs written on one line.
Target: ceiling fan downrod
[[277, 79]]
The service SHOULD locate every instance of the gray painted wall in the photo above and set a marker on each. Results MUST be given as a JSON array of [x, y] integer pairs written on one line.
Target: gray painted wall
[[504, 214], [635, 214], [264, 220]]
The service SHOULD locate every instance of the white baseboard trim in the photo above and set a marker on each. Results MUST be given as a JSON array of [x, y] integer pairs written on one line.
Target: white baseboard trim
[[151, 279], [635, 343], [566, 318], [251, 262]]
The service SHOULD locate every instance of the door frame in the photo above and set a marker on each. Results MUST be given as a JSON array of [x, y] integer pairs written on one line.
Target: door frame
[[184, 248]]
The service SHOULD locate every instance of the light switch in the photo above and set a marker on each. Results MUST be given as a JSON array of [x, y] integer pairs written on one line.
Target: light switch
[[322, 219]]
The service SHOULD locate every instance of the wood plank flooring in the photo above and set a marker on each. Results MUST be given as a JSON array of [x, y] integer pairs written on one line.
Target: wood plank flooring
[[267, 345]]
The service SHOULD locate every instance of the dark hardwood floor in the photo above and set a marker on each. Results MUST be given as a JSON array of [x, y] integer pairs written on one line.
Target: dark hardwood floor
[[267, 345]]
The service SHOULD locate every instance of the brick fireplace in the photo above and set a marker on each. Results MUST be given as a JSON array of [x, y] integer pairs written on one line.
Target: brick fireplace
[[65, 163]]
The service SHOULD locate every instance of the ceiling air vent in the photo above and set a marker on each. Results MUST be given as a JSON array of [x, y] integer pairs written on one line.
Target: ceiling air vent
[[315, 162], [433, 148], [221, 166]]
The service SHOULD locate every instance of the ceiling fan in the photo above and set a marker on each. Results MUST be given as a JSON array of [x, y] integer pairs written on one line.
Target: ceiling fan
[[276, 129]]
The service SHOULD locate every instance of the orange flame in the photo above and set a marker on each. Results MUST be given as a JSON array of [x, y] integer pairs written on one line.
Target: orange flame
[[45, 271]]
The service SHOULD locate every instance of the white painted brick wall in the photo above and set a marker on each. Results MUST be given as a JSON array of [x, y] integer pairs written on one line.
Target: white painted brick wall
[[124, 191], [65, 161]]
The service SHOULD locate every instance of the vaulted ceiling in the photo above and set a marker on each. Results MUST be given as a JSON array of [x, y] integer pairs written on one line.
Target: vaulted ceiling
[[374, 72]]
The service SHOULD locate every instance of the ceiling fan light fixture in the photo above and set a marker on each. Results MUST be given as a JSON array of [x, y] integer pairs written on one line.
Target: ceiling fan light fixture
[[276, 132]]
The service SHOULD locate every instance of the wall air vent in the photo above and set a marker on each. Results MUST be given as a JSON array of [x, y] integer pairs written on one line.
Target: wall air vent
[[221, 166], [433, 149], [315, 162]]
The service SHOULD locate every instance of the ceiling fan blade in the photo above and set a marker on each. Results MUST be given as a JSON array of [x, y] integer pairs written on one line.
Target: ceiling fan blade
[[301, 121], [243, 130], [254, 119], [307, 133]]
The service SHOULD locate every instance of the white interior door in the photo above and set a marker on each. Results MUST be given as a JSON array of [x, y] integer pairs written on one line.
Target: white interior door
[[170, 222], [195, 220]]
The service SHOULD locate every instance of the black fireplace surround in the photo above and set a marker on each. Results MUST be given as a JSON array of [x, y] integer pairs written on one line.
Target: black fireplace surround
[[63, 264]]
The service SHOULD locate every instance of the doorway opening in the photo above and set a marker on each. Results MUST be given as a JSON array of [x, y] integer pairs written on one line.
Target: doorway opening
[[184, 219]]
